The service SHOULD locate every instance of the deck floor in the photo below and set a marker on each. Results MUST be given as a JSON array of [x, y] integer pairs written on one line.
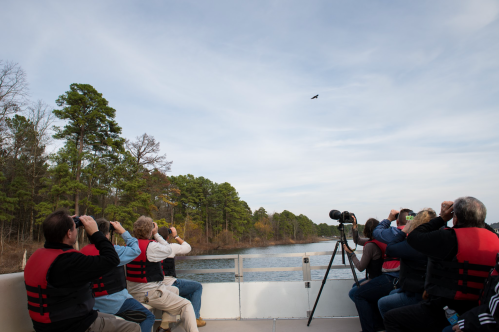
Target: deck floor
[[281, 325]]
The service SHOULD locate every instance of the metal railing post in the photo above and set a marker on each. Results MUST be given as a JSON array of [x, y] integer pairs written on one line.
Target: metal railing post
[[236, 268], [241, 273], [307, 273]]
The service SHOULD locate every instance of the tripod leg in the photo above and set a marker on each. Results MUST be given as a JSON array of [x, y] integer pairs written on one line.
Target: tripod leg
[[323, 282], [353, 271]]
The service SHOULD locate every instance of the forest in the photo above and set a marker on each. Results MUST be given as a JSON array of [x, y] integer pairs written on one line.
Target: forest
[[98, 172]]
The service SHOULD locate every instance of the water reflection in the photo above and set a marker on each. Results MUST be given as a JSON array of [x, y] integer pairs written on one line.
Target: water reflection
[[268, 262]]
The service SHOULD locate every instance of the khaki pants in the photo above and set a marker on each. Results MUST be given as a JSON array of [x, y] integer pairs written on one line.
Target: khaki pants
[[172, 304], [109, 323]]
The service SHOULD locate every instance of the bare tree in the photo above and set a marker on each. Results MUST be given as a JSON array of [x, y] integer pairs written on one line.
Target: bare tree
[[145, 151], [13, 94], [41, 118], [13, 89]]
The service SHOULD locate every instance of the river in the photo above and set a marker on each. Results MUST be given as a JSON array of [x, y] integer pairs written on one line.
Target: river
[[269, 262]]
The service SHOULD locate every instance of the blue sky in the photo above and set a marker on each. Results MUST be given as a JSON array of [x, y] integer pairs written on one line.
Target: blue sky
[[408, 105]]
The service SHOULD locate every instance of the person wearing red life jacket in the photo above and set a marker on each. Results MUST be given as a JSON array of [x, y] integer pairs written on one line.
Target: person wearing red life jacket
[[189, 289], [58, 279], [367, 296], [111, 295], [484, 318], [459, 261], [145, 277], [372, 256]]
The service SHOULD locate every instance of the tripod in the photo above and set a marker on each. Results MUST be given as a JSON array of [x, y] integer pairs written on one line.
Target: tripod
[[342, 240]]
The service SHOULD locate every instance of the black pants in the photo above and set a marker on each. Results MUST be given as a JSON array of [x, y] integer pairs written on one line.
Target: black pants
[[418, 317]]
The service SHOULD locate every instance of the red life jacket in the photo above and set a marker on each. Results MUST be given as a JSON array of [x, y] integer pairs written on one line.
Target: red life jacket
[[390, 264], [142, 270], [463, 278], [111, 282], [47, 304]]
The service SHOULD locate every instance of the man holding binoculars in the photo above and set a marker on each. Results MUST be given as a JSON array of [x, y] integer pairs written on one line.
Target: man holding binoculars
[[58, 279], [145, 276]]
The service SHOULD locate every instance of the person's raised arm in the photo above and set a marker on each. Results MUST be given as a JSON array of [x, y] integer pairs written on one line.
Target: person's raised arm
[[75, 269], [131, 250], [182, 248], [161, 249], [383, 232], [355, 233], [433, 242]]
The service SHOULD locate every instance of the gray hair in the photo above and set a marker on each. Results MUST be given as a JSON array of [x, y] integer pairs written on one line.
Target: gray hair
[[470, 212]]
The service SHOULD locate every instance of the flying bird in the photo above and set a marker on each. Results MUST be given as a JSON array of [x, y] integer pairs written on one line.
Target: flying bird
[[315, 97]]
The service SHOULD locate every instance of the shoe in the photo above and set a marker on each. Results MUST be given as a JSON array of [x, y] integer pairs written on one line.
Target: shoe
[[200, 322], [160, 329]]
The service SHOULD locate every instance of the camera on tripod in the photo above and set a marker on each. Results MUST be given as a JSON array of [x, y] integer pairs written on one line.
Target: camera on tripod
[[344, 217]]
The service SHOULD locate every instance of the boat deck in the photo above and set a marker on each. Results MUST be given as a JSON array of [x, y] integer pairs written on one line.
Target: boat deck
[[350, 324]]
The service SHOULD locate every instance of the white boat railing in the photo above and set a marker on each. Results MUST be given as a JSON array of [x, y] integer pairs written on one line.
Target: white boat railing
[[226, 300], [239, 268]]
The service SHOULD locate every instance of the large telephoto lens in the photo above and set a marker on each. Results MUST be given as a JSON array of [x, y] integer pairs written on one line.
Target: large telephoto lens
[[335, 214]]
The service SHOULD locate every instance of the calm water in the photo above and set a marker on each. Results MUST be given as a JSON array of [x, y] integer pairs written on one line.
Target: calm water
[[269, 262]]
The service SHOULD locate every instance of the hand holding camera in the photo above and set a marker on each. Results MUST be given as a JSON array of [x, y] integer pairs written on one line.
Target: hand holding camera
[[174, 231], [447, 210], [155, 229], [116, 226], [393, 215], [88, 223]]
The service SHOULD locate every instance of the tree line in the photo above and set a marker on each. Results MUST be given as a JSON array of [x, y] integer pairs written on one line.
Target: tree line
[[326, 230], [98, 172]]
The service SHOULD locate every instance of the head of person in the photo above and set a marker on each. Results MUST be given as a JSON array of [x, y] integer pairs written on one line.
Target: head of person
[[104, 226], [422, 217], [369, 227], [401, 221], [142, 228], [59, 227], [163, 231], [469, 212]]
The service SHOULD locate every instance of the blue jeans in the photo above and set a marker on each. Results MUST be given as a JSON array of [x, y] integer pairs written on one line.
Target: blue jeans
[[366, 300], [192, 291], [352, 292], [133, 304], [448, 329], [397, 299]]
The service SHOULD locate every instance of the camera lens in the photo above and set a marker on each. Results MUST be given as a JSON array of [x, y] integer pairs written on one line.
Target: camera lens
[[335, 214]]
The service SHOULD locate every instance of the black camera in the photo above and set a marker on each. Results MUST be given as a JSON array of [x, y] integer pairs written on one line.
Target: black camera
[[344, 217], [78, 222]]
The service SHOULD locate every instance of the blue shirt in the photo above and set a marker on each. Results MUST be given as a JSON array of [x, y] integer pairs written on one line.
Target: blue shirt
[[386, 234], [111, 304]]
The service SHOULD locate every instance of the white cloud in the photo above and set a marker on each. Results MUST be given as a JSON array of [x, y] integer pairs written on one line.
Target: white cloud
[[407, 107]]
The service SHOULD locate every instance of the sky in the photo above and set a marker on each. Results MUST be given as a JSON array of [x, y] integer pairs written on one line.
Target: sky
[[408, 105]]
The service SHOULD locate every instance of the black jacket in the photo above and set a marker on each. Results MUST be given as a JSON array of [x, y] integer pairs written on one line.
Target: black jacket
[[437, 243], [76, 270], [412, 266]]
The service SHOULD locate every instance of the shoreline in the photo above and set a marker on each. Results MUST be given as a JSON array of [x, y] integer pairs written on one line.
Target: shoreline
[[201, 249]]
